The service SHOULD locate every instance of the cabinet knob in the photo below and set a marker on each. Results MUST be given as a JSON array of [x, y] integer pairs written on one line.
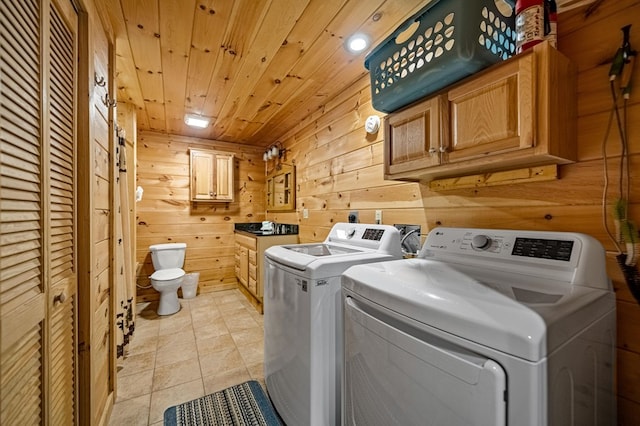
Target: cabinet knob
[[432, 150], [59, 298], [443, 149]]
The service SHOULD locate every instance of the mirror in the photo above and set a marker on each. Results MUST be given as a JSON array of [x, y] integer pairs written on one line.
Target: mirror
[[281, 188]]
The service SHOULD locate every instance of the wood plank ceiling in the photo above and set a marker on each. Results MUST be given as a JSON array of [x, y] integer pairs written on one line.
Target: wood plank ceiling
[[255, 67]]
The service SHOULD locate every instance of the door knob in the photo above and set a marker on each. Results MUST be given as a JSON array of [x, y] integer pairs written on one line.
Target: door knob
[[59, 298]]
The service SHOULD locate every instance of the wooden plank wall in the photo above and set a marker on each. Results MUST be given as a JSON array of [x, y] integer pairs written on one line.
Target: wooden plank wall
[[165, 213], [339, 170]]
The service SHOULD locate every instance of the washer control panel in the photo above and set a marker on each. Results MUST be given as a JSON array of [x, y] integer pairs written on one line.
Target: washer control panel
[[566, 256], [504, 244], [382, 238]]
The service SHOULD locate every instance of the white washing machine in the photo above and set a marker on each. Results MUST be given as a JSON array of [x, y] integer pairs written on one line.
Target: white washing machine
[[485, 327], [302, 318]]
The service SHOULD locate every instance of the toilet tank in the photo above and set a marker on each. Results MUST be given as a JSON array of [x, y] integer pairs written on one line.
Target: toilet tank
[[167, 256]]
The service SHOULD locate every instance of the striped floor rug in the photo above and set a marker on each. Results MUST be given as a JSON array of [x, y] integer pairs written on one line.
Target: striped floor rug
[[245, 404]]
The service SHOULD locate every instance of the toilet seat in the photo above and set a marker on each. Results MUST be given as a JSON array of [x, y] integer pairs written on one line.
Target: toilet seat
[[167, 274]]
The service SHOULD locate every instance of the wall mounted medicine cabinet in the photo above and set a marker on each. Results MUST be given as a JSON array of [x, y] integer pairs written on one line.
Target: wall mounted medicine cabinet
[[281, 188], [212, 176]]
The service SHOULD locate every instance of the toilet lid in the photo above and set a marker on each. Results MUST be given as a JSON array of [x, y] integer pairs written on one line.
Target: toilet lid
[[167, 274]]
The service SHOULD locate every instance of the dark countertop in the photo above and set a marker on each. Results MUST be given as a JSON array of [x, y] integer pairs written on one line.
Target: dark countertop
[[253, 228]]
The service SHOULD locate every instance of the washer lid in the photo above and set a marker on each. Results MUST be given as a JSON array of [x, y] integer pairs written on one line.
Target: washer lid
[[524, 316], [347, 244], [321, 249], [334, 264], [167, 274]]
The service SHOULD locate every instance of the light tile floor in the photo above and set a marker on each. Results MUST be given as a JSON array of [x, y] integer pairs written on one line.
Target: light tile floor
[[213, 342]]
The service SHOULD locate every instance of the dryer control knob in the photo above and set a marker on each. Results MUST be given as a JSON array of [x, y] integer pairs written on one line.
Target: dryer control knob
[[481, 242]]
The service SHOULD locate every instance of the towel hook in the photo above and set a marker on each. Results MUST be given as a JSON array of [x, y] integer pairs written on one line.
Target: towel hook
[[108, 102]]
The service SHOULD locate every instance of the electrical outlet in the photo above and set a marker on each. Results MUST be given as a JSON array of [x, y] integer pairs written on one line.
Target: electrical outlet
[[353, 216], [378, 217]]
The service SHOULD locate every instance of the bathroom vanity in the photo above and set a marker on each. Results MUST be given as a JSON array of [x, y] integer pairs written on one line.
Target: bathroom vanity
[[250, 243]]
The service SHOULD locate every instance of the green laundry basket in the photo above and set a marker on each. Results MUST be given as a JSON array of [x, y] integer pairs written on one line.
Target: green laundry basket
[[443, 43]]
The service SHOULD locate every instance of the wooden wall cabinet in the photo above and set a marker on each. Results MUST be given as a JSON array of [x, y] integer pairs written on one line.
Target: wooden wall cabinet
[[521, 112], [249, 262], [281, 188], [212, 176]]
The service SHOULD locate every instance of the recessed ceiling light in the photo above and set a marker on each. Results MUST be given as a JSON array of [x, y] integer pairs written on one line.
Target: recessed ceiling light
[[194, 120], [357, 43]]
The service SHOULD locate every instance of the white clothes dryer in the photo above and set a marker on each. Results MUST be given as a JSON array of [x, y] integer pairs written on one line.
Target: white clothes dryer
[[302, 318], [485, 327]]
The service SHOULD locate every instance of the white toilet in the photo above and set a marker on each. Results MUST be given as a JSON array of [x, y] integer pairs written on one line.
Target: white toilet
[[168, 260]]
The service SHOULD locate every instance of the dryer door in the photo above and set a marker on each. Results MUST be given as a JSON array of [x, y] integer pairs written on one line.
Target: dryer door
[[396, 372]]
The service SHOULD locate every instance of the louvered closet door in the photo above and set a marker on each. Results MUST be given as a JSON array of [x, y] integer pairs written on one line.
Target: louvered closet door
[[37, 226], [62, 255], [22, 287]]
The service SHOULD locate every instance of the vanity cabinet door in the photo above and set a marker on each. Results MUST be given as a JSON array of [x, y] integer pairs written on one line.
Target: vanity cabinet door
[[253, 273], [244, 266], [236, 259]]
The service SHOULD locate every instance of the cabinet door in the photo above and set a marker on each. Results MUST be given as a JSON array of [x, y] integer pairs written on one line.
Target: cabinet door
[[236, 259], [244, 266], [413, 137], [224, 177], [253, 273], [493, 113], [202, 187], [269, 194]]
